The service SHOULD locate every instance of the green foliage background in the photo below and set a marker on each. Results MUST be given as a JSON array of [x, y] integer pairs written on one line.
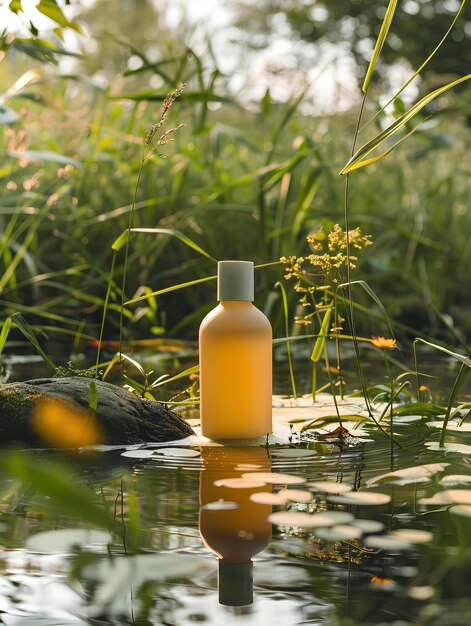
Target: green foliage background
[[243, 179]]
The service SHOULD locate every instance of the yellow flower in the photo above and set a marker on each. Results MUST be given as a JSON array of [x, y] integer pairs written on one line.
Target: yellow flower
[[383, 343], [378, 581]]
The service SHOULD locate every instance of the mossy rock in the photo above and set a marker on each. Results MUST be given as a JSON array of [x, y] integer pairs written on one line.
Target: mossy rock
[[121, 417]]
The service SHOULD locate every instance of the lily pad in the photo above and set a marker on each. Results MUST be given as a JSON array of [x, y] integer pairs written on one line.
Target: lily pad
[[461, 509], [64, 540], [298, 518], [460, 448], [327, 486], [449, 496], [413, 535], [407, 475], [266, 497], [239, 483], [455, 479], [386, 542], [274, 478], [220, 505], [464, 428], [361, 498], [422, 592], [368, 525], [292, 453], [339, 532], [138, 454], [296, 495], [177, 452]]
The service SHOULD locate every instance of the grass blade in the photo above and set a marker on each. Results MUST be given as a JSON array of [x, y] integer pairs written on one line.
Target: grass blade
[[288, 347], [93, 398], [359, 158], [189, 284], [419, 69], [321, 339], [374, 297], [168, 289], [4, 333], [122, 239], [187, 372], [383, 33], [179, 235], [460, 357], [27, 331]]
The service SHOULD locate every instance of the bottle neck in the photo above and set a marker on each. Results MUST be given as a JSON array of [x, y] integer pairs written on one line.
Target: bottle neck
[[234, 304]]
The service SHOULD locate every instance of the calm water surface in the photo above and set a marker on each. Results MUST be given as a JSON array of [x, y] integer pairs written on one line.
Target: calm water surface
[[181, 547], [160, 565]]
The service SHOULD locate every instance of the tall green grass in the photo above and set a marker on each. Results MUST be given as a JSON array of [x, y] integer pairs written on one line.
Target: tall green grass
[[237, 183]]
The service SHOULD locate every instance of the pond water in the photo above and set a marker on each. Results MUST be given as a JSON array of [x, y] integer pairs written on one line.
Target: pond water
[[259, 535], [173, 527]]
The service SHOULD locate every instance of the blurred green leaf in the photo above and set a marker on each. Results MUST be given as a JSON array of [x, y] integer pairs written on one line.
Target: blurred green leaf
[[57, 483], [44, 155], [187, 96], [7, 115], [52, 10]]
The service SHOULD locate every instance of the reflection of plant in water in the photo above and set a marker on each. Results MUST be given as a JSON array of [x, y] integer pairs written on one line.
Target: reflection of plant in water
[[337, 551]]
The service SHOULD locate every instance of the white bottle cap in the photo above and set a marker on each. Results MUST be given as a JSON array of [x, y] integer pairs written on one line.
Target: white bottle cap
[[235, 280]]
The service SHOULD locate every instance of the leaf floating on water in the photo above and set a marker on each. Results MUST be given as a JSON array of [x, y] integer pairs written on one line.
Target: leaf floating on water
[[449, 496], [368, 525], [266, 497], [455, 479], [464, 428], [296, 495], [424, 592], [138, 454], [461, 509], [407, 475], [461, 448], [297, 518], [386, 542], [274, 479], [339, 517], [181, 452], [361, 498], [412, 535], [340, 532], [65, 539], [327, 486], [292, 453], [338, 433], [220, 505], [240, 483]]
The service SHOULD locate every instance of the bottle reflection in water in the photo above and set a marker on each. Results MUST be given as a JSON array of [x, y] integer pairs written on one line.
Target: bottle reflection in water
[[234, 532]]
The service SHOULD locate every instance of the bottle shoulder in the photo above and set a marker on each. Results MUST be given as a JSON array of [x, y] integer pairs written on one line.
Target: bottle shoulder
[[243, 316]]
